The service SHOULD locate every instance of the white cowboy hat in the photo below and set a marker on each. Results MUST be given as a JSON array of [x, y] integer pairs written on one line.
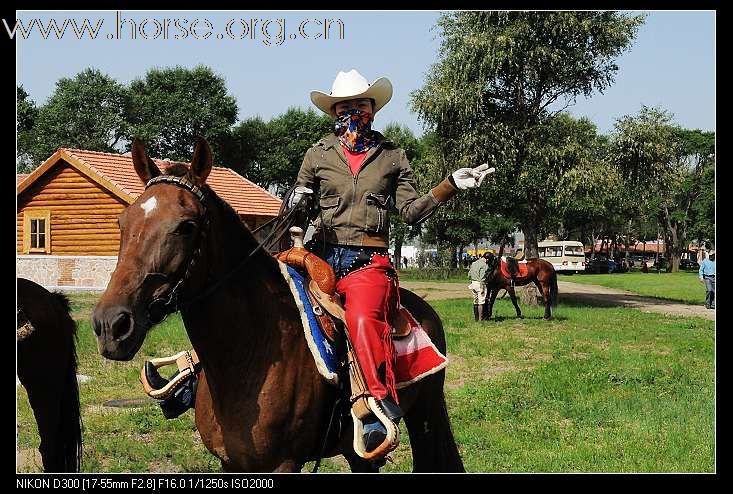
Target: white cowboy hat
[[353, 85]]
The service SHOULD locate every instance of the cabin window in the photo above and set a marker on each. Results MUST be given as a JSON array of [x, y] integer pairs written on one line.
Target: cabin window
[[37, 232]]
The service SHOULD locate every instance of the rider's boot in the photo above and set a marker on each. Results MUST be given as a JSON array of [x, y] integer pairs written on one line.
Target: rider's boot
[[182, 399]]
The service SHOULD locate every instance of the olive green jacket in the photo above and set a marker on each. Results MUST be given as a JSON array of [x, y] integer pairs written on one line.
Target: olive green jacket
[[354, 209]]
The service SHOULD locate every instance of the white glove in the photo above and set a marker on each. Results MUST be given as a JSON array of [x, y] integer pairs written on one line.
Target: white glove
[[470, 178], [297, 195]]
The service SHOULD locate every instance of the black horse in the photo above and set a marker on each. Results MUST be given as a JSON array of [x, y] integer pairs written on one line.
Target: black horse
[[46, 367]]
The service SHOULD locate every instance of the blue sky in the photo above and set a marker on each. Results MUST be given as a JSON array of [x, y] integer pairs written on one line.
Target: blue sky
[[671, 64]]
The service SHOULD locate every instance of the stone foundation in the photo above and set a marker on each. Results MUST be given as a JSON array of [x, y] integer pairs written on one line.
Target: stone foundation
[[67, 272]]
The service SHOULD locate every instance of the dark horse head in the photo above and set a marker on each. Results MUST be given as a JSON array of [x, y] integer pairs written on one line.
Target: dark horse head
[[161, 236], [493, 262]]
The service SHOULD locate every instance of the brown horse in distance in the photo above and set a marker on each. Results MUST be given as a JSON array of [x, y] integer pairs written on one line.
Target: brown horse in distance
[[539, 272], [46, 367], [261, 404]]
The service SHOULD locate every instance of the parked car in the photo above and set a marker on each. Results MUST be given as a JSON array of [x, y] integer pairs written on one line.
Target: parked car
[[689, 264], [601, 265]]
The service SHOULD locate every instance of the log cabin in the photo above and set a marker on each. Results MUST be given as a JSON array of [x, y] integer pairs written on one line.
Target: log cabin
[[66, 227]]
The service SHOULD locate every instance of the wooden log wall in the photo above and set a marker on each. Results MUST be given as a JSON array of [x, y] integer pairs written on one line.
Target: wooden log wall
[[83, 214]]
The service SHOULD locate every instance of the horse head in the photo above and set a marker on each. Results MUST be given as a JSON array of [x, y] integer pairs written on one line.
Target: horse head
[[161, 236], [492, 261]]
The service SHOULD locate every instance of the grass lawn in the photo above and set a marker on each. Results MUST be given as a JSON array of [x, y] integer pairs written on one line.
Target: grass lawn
[[594, 390], [434, 275], [683, 286]]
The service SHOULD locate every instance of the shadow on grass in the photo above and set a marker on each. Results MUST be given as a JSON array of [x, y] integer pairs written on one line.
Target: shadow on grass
[[616, 300], [535, 318]]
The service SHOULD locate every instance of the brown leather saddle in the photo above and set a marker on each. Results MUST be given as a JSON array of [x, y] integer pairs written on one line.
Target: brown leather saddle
[[321, 283]]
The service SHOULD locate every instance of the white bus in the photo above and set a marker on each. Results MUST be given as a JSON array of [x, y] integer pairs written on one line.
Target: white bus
[[566, 256]]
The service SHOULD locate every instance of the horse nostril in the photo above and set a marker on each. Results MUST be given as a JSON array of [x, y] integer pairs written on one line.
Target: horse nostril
[[97, 327], [96, 322], [121, 325]]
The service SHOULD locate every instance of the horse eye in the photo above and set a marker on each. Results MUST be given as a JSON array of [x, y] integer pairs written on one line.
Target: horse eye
[[186, 228]]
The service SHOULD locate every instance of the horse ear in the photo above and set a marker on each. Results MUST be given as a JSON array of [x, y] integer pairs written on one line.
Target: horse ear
[[144, 166], [202, 160]]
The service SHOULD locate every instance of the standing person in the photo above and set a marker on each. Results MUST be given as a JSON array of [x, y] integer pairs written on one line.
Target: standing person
[[477, 274], [707, 276], [357, 176]]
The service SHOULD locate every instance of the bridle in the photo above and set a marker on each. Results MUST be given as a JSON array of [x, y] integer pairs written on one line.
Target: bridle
[[160, 307]]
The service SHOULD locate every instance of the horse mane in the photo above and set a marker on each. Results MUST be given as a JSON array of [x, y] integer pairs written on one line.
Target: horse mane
[[184, 170], [63, 300]]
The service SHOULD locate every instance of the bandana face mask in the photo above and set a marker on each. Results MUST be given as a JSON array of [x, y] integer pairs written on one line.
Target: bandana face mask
[[354, 130]]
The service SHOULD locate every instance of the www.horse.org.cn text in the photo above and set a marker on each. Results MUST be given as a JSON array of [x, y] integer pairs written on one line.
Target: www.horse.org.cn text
[[267, 31]]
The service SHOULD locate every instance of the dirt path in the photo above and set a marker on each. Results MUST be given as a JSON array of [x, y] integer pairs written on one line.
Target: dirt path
[[574, 292]]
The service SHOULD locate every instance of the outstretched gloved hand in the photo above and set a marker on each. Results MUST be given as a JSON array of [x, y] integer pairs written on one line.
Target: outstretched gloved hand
[[470, 178], [297, 195]]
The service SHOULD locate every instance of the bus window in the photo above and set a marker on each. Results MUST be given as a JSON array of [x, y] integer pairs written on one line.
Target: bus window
[[574, 250]]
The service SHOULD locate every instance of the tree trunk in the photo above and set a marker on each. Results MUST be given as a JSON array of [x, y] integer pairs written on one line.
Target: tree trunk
[[594, 238], [529, 295], [453, 251], [398, 240], [530, 239]]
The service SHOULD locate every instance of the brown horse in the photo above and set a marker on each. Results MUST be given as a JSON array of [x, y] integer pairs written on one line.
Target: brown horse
[[46, 367], [539, 271], [261, 404]]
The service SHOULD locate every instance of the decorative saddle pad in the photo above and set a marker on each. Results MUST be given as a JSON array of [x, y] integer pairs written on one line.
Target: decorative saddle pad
[[417, 357], [523, 271]]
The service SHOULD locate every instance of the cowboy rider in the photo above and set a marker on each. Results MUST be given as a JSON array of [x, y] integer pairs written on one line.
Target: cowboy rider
[[357, 175]]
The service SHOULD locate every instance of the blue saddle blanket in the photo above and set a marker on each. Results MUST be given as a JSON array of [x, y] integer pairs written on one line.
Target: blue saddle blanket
[[323, 352]]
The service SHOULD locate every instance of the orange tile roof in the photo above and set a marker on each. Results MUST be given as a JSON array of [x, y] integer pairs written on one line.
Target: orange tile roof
[[244, 196]]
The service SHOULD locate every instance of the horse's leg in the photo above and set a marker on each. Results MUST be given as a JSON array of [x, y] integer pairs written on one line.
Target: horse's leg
[[45, 394], [47, 370], [492, 298], [545, 289], [431, 439], [513, 295]]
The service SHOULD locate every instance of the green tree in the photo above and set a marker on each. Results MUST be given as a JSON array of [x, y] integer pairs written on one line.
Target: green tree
[[652, 156], [502, 77], [694, 165], [171, 106], [399, 231], [246, 149], [25, 120], [587, 203], [291, 134], [87, 112], [702, 226]]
